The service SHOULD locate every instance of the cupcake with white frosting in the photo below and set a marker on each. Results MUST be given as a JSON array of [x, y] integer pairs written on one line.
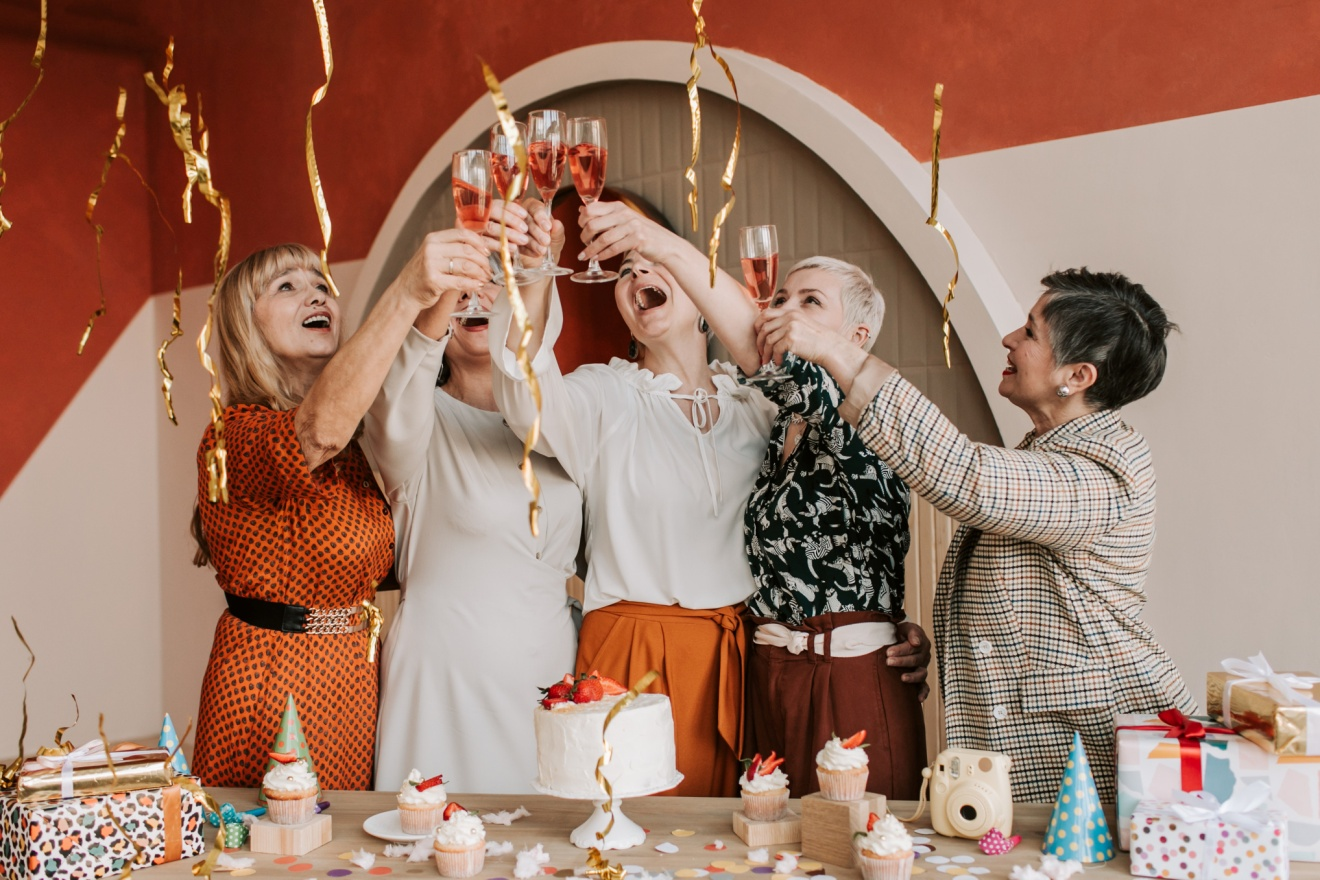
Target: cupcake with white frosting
[[421, 801], [843, 768], [764, 789], [884, 849], [290, 790], [460, 843]]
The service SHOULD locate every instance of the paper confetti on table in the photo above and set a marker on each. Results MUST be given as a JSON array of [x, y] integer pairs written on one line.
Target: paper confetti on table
[[499, 847], [666, 847], [716, 846], [936, 860], [504, 817], [926, 831], [682, 832], [692, 872]]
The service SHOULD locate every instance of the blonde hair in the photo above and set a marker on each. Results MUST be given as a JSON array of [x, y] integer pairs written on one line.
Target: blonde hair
[[862, 301], [249, 370]]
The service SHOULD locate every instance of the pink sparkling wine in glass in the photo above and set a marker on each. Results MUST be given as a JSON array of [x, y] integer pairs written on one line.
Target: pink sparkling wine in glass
[[503, 168], [587, 164], [546, 160], [760, 274], [473, 205]]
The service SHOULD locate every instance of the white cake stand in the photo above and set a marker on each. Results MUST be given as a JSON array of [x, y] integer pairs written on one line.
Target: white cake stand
[[625, 834]]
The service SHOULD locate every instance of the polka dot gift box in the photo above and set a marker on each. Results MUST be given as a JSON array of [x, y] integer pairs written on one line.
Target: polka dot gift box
[[1197, 838]]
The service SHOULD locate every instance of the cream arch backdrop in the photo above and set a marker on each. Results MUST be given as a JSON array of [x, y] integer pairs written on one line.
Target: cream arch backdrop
[[892, 183]]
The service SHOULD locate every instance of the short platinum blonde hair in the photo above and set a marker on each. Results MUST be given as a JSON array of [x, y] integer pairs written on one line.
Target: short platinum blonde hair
[[250, 371], [862, 301]]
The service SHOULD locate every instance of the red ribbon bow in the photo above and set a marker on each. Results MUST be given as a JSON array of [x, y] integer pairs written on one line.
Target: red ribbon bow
[[1189, 732]]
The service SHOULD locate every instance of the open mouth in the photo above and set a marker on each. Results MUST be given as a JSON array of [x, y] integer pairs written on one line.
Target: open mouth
[[648, 297], [317, 322], [473, 323], [1009, 368]]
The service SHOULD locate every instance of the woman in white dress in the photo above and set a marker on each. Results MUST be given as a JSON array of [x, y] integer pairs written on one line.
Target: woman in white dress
[[666, 449], [485, 618]]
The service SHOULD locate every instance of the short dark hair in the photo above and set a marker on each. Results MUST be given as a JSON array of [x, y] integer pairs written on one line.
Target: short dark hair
[[1105, 319]]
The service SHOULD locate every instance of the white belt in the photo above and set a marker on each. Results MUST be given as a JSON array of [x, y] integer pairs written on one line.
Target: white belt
[[853, 640]]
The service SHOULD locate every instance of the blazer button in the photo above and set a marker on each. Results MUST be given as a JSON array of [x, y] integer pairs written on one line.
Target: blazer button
[[985, 647], [1000, 712]]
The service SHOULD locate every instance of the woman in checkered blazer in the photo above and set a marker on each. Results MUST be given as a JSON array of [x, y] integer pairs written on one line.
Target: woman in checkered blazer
[[1038, 625]]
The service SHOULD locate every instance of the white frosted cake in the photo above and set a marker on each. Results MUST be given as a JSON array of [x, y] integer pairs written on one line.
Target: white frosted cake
[[568, 745]]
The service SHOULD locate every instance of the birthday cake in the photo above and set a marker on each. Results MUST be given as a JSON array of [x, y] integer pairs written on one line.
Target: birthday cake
[[569, 743]]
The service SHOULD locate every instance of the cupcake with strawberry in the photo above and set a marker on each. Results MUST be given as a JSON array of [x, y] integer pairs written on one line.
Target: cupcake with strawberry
[[764, 788], [421, 801], [842, 768], [290, 789], [884, 849], [460, 843]]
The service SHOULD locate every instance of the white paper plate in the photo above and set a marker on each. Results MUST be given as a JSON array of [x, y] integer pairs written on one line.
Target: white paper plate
[[387, 826]]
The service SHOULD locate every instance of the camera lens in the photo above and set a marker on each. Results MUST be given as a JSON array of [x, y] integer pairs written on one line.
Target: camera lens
[[971, 808], [968, 812]]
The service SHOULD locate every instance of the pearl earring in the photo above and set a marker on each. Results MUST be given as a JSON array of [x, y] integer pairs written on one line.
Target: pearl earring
[[1063, 391]]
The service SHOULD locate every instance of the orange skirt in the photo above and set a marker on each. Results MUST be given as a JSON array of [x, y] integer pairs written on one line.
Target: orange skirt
[[699, 655]]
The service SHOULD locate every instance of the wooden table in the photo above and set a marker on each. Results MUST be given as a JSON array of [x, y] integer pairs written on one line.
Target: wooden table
[[552, 819]]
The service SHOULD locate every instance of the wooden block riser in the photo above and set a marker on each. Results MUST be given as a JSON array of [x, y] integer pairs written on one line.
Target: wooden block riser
[[290, 840], [755, 833], [828, 826]]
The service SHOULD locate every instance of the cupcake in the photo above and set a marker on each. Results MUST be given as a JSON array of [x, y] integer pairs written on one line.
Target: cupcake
[[290, 790], [842, 768], [421, 801], [884, 850], [460, 843], [764, 789]]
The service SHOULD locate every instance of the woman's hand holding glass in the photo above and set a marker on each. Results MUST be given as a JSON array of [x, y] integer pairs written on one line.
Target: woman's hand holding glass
[[448, 260], [613, 228], [780, 331]]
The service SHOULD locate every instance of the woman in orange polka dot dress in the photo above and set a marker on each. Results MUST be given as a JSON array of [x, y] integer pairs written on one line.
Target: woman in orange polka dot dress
[[305, 535]]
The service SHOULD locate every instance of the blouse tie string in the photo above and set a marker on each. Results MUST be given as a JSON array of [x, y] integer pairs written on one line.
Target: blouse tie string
[[703, 420]]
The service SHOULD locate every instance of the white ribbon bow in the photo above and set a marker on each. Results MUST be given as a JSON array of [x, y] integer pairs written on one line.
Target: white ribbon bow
[[1259, 669], [89, 755], [1247, 808]]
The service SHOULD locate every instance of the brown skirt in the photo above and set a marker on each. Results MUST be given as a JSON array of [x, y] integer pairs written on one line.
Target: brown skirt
[[796, 702], [699, 655]]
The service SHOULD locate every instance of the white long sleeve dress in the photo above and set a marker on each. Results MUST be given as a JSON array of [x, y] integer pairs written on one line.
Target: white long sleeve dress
[[485, 619]]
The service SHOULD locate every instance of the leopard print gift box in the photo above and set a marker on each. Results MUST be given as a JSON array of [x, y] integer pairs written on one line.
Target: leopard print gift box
[[75, 839]]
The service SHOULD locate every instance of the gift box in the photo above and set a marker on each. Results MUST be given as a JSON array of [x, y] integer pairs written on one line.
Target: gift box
[[1159, 756], [96, 836], [1279, 711], [88, 771], [1198, 838]]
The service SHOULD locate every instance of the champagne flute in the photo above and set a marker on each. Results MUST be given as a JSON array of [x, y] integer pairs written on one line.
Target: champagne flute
[[759, 248], [586, 161], [546, 154], [504, 167], [472, 180]]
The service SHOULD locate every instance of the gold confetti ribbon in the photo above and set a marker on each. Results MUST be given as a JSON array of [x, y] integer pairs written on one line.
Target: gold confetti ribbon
[[97, 228], [9, 775], [38, 59], [607, 753], [206, 866], [934, 212], [197, 168], [313, 173], [694, 103], [520, 316]]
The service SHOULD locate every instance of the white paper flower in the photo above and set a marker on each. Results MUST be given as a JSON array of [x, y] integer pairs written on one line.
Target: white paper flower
[[422, 850], [760, 856], [527, 864], [504, 817], [363, 859], [785, 863], [499, 848], [226, 862], [397, 850]]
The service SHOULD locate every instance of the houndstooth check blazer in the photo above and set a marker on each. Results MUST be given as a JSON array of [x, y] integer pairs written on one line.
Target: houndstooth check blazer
[[1037, 612]]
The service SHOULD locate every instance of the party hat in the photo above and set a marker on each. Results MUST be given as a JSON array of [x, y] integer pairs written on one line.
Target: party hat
[[1078, 829], [289, 739], [169, 740]]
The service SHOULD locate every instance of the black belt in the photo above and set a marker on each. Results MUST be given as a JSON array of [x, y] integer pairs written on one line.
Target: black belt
[[295, 618]]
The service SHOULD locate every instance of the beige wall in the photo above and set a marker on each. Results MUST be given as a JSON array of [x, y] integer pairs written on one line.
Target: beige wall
[[1218, 216]]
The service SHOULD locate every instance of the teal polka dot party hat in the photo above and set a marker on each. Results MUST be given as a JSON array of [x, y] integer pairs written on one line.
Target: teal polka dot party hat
[[1078, 830], [169, 740]]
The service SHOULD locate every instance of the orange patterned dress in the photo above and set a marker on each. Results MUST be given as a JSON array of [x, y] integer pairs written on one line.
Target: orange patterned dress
[[321, 539]]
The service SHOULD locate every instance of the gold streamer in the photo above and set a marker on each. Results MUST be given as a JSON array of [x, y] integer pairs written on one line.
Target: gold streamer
[[607, 753], [694, 103], [110, 156], [934, 213], [313, 173], [9, 775], [206, 865], [197, 167], [109, 757], [38, 59], [520, 316]]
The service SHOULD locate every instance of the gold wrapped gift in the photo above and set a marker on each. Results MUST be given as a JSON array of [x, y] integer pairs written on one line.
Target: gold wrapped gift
[[1278, 711], [86, 771]]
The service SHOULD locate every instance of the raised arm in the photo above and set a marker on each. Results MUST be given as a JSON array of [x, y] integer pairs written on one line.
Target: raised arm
[[612, 228], [1058, 498], [341, 395]]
